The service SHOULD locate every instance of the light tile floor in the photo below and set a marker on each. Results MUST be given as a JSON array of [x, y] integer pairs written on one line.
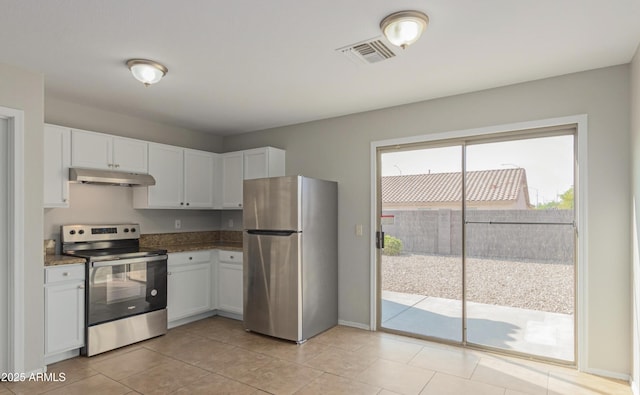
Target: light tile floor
[[216, 356]]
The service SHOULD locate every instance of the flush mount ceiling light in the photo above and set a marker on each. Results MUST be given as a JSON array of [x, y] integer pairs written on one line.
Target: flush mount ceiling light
[[146, 71], [404, 28]]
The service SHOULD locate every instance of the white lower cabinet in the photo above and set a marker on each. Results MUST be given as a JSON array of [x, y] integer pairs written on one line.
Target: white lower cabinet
[[230, 289], [199, 283], [64, 311], [188, 284]]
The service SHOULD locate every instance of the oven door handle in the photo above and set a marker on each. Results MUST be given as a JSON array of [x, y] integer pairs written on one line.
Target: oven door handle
[[119, 262]]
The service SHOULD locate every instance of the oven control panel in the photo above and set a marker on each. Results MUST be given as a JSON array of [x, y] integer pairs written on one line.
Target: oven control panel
[[84, 233]]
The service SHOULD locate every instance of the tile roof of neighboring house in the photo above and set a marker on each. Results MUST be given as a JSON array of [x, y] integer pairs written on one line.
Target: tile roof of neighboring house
[[482, 186]]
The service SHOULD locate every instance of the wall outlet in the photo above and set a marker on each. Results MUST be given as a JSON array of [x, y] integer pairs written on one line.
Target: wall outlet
[[178, 224], [230, 223]]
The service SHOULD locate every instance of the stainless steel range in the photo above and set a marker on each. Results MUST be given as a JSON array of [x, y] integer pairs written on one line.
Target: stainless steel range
[[126, 292]]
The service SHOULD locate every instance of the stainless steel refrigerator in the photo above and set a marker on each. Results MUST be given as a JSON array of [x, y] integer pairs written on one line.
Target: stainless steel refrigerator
[[290, 268]]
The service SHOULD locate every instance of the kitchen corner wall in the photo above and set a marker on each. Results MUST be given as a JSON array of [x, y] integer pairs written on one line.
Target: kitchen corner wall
[[104, 204], [339, 149], [110, 204]]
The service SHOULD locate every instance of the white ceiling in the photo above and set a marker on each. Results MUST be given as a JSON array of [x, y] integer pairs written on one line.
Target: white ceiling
[[244, 65]]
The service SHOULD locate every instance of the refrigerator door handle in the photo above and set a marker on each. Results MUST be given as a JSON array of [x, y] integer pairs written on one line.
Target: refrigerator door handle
[[271, 232]]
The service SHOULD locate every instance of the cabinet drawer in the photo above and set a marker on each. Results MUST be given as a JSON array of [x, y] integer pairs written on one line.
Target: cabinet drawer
[[230, 256], [181, 258], [64, 273]]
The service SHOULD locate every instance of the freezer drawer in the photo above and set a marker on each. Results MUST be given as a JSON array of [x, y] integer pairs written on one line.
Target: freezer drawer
[[272, 293]]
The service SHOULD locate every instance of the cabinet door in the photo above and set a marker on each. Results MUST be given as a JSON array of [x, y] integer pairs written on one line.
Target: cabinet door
[[57, 159], [256, 163], [166, 166], [216, 175], [189, 290], [198, 179], [214, 282], [232, 177], [91, 150], [130, 155], [263, 162], [64, 317], [230, 287]]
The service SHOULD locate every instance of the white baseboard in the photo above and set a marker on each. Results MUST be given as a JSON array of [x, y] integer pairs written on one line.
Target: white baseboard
[[609, 374], [190, 319], [48, 360], [35, 372], [226, 314], [354, 325]]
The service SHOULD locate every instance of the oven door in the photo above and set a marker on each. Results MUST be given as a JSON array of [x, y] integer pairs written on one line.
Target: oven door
[[126, 287]]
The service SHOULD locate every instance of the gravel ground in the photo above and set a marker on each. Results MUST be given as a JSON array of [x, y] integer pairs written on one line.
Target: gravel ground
[[529, 285]]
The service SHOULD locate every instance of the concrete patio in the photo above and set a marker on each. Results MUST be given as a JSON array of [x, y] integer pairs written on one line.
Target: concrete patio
[[539, 333]]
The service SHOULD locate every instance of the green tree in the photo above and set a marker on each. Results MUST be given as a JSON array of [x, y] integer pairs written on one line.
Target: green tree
[[565, 202]]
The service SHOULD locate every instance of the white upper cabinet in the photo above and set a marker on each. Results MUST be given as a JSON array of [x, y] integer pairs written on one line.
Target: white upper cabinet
[[246, 165], [57, 159], [198, 179], [130, 155], [232, 176], [184, 179], [91, 150], [103, 151], [263, 162], [166, 166]]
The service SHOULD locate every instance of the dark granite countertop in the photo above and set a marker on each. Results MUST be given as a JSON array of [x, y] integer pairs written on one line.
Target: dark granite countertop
[[56, 260], [172, 242], [215, 245]]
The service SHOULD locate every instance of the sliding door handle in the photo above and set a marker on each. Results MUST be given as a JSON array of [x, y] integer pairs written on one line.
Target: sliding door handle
[[379, 240]]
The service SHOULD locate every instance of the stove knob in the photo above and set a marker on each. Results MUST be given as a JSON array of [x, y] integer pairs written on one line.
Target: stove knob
[[72, 232], [126, 230], [133, 230], [81, 232]]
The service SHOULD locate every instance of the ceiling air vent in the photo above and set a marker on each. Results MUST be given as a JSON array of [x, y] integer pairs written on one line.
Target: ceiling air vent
[[370, 51]]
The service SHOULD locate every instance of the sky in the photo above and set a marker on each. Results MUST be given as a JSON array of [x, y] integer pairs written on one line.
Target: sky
[[548, 162]]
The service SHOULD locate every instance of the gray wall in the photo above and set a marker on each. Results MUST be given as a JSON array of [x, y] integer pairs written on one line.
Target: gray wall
[[339, 149], [439, 232], [94, 204], [24, 90], [635, 231]]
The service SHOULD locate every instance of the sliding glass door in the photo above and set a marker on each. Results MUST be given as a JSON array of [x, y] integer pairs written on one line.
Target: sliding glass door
[[480, 242], [519, 246], [421, 264]]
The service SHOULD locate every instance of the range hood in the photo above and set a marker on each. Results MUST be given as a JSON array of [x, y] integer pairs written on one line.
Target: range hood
[[109, 177]]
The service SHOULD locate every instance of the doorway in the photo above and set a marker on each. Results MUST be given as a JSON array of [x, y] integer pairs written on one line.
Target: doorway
[[480, 241], [4, 258], [12, 239]]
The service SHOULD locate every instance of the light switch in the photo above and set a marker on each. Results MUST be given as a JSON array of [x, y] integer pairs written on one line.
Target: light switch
[[359, 230]]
